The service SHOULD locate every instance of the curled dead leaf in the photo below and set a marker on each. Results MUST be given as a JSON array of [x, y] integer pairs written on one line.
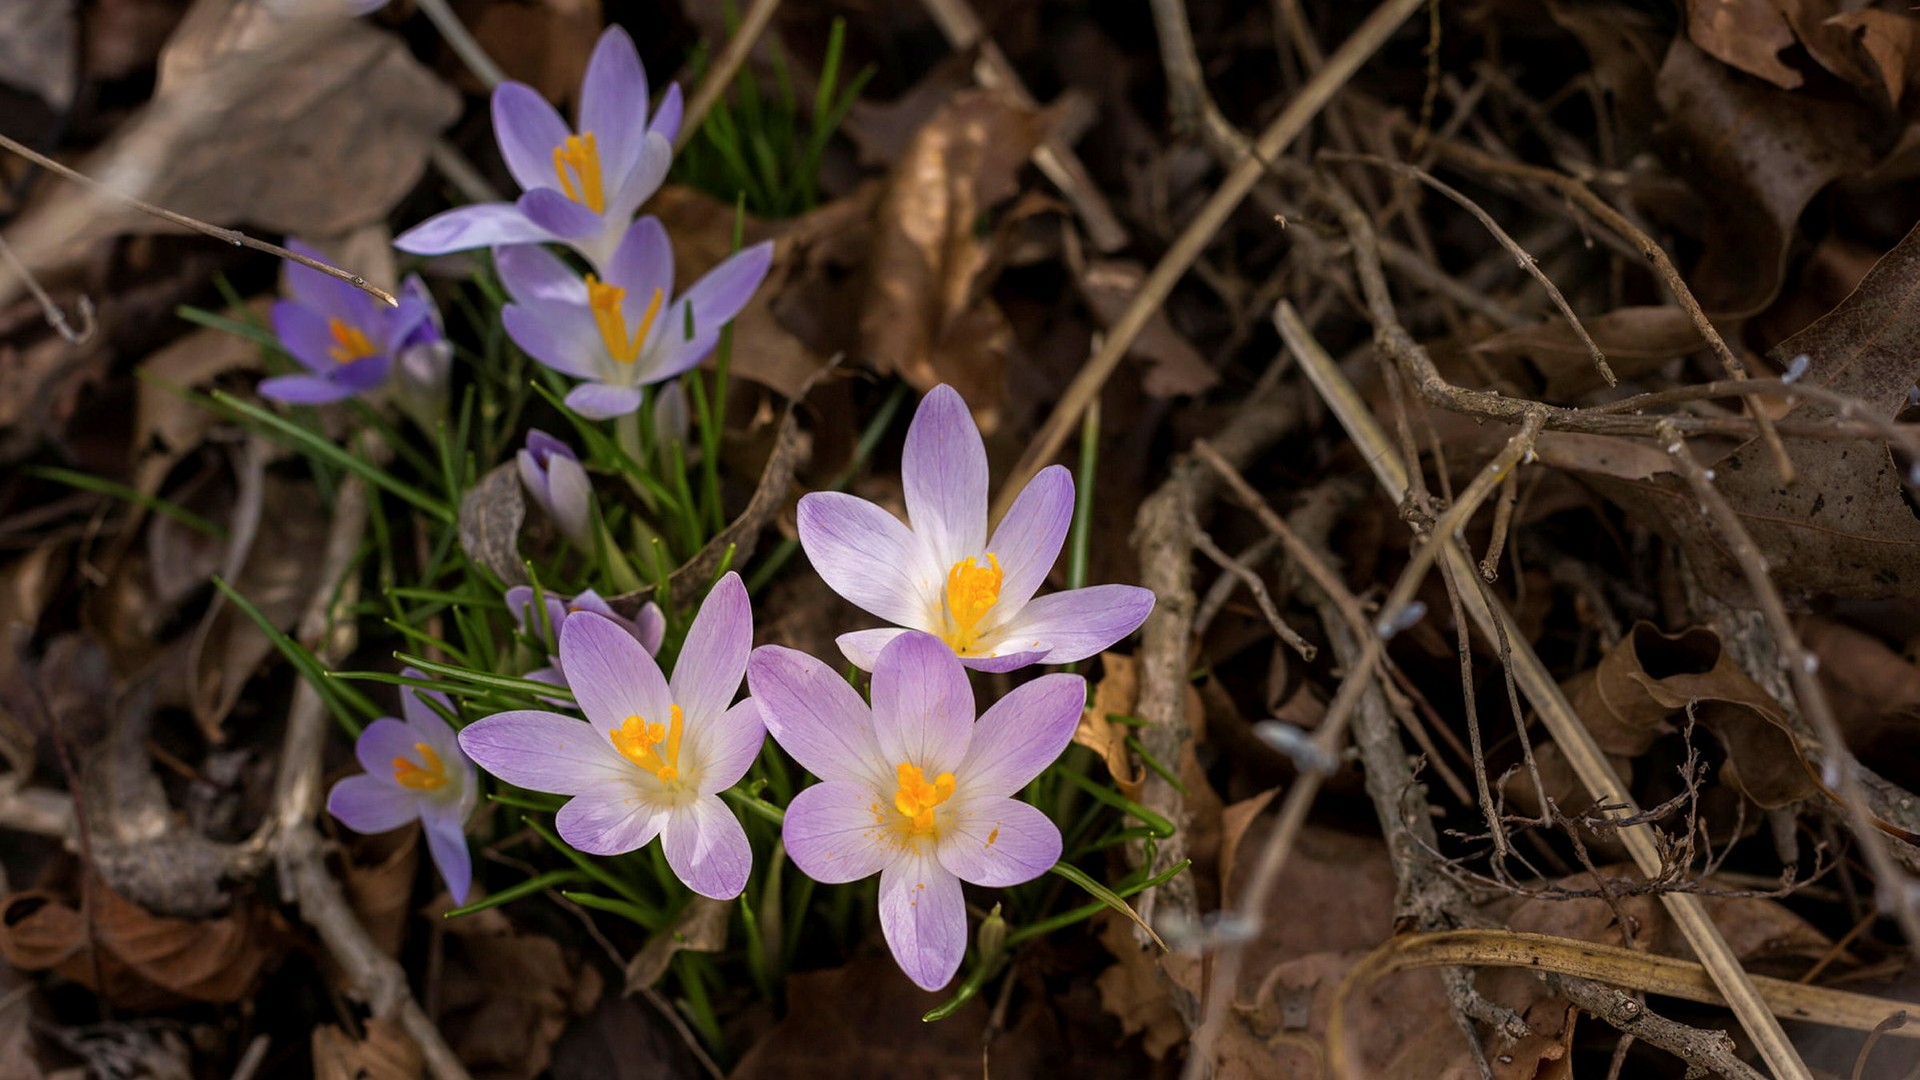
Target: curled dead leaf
[[383, 1053], [700, 927], [1117, 693], [506, 996], [491, 514]]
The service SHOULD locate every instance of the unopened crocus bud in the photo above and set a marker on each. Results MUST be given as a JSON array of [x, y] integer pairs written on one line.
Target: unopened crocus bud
[[554, 479]]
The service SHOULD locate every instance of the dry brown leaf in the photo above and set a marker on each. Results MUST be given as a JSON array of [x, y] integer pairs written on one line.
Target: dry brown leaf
[[385, 1053], [1117, 693], [1757, 155], [927, 315], [1748, 34], [1174, 366], [491, 514], [506, 996], [1637, 341], [378, 873], [700, 927], [544, 44], [275, 118], [145, 960], [1891, 39], [37, 51], [1134, 990]]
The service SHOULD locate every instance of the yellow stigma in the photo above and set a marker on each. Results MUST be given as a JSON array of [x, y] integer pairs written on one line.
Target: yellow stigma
[[641, 743], [972, 590], [428, 774], [581, 155], [605, 300], [915, 798], [349, 342]]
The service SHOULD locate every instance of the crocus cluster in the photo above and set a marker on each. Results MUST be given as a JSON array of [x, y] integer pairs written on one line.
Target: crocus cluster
[[913, 786]]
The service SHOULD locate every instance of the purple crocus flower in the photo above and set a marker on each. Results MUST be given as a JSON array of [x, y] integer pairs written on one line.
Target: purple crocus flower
[[581, 187], [647, 628], [652, 756], [347, 340], [942, 575], [415, 770], [913, 788], [553, 477], [628, 330]]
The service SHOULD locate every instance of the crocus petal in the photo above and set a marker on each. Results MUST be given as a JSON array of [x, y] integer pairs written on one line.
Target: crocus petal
[[943, 468], [649, 170], [359, 376], [531, 272], [612, 819], [922, 704], [862, 647], [837, 832], [650, 627], [613, 100], [726, 289], [572, 500], [529, 131], [543, 751], [714, 658], [415, 321], [597, 401], [1029, 538], [447, 843], [726, 746], [866, 555], [1076, 624], [560, 336], [611, 676], [304, 390], [666, 118], [816, 716], [414, 708], [707, 848], [642, 263], [467, 227], [553, 211], [1023, 733], [673, 351], [305, 333], [924, 919], [1003, 662], [382, 741], [999, 842], [368, 804]]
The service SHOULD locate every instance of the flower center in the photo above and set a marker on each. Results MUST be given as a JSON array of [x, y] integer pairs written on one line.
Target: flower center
[[428, 774], [642, 743], [915, 798], [580, 155], [349, 342], [972, 590], [605, 300]]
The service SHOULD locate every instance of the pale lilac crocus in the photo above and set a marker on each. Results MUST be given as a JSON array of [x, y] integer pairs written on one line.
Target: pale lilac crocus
[[913, 788], [941, 574], [652, 755], [628, 330], [347, 340], [415, 770], [581, 187], [647, 628], [551, 472]]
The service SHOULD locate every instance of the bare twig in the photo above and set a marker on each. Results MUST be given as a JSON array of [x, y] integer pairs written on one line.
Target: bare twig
[[461, 42], [1258, 588], [962, 29], [1839, 767], [48, 309], [1300, 110], [229, 236], [1575, 741], [719, 77]]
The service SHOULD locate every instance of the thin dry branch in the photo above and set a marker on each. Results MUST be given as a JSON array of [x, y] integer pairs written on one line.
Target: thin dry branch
[[1575, 741], [1153, 292]]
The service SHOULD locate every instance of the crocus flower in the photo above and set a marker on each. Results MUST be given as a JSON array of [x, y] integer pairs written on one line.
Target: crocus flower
[[553, 477], [652, 756], [941, 574], [628, 330], [647, 628], [347, 340], [912, 788], [415, 770], [581, 186]]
